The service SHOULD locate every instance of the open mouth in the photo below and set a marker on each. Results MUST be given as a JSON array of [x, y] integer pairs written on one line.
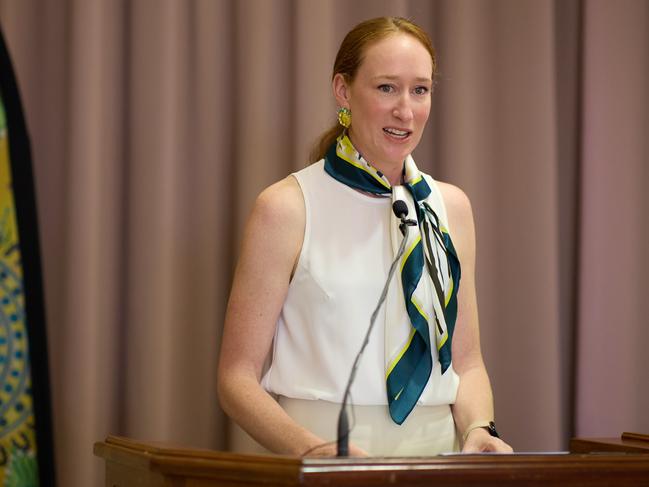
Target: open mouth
[[396, 133]]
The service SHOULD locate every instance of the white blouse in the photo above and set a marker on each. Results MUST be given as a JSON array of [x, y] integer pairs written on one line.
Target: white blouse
[[342, 267]]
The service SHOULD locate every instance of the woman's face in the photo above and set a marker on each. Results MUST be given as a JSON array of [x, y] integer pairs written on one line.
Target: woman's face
[[389, 99]]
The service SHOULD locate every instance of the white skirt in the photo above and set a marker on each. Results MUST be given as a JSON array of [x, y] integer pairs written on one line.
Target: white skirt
[[428, 430]]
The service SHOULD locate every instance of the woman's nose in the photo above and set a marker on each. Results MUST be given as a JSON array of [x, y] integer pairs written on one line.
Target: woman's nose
[[403, 109]]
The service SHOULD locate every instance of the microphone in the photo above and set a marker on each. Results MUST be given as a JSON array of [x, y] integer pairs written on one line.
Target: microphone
[[400, 209]]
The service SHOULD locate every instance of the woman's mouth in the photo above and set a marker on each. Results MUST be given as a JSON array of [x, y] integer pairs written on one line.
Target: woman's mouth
[[397, 133]]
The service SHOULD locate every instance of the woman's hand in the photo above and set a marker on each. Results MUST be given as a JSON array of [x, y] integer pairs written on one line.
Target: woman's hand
[[480, 441]]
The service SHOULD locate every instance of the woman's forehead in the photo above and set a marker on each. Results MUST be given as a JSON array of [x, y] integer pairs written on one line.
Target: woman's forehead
[[395, 56]]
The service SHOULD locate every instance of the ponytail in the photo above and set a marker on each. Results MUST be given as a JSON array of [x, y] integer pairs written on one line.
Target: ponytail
[[323, 143]]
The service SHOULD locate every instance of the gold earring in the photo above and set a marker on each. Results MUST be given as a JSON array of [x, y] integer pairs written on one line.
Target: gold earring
[[344, 117]]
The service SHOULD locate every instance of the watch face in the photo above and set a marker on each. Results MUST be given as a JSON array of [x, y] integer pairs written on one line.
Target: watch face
[[492, 429]]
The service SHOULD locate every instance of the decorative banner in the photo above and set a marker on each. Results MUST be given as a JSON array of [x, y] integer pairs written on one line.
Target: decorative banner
[[18, 464], [26, 456]]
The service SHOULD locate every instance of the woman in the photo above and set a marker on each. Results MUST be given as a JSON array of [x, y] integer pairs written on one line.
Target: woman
[[315, 254]]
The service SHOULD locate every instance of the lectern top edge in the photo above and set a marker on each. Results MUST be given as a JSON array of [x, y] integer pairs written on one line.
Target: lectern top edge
[[161, 448]]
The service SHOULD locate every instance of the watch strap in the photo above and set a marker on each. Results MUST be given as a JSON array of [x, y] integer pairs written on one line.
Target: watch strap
[[490, 426]]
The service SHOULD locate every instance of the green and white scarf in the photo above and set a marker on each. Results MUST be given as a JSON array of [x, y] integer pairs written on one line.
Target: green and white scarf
[[430, 276]]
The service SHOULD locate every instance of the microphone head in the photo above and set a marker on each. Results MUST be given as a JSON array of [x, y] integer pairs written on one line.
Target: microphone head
[[400, 208]]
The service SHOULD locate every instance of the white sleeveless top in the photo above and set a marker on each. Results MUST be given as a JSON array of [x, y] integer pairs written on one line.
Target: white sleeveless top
[[344, 261]]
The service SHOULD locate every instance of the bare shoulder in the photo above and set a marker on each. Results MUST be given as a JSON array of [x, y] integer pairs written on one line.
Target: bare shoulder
[[280, 204], [275, 230], [458, 207]]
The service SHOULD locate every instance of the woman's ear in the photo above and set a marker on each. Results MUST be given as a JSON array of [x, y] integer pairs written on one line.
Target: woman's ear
[[341, 90]]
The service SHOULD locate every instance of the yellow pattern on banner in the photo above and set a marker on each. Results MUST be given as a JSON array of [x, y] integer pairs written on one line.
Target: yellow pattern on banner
[[18, 466]]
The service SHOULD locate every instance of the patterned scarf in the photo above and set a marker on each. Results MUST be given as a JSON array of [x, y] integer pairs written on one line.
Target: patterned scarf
[[430, 276]]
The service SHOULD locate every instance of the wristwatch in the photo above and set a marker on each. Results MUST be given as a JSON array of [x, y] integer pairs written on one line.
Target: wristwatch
[[490, 426]]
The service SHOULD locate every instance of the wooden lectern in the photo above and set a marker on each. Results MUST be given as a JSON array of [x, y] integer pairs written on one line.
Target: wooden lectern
[[599, 462]]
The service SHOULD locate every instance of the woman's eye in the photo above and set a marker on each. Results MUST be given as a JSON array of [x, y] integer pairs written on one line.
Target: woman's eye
[[421, 90], [386, 88]]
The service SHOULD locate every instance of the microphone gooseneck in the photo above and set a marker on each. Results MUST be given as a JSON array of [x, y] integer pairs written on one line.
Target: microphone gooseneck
[[400, 209]]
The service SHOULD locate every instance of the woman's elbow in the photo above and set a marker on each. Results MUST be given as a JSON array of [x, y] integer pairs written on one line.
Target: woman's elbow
[[231, 384], [224, 387]]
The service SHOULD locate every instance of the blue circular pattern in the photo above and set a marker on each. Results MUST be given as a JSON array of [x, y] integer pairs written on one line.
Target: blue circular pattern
[[15, 390]]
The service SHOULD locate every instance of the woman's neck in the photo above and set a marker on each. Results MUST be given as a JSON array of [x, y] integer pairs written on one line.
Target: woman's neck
[[394, 174], [392, 171]]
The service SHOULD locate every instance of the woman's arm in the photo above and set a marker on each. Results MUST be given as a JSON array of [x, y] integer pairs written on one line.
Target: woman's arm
[[270, 249], [474, 402]]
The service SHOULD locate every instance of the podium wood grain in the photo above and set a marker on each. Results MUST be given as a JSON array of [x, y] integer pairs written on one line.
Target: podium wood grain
[[131, 463]]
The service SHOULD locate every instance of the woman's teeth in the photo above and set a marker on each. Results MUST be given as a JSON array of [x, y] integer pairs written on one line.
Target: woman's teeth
[[397, 133]]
